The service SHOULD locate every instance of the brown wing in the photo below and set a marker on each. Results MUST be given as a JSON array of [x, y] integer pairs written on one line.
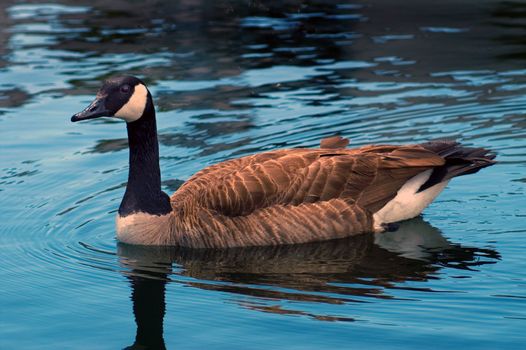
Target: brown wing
[[334, 142], [367, 177]]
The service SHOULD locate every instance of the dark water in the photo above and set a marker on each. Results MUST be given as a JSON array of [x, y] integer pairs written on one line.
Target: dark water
[[230, 79]]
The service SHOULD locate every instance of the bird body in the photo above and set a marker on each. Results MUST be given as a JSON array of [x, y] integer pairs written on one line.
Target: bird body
[[285, 196]]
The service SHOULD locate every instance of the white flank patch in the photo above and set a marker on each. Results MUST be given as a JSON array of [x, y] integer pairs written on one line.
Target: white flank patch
[[407, 204], [135, 106], [143, 229]]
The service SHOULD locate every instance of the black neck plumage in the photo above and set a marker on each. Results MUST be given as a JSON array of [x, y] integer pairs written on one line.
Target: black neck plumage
[[143, 191]]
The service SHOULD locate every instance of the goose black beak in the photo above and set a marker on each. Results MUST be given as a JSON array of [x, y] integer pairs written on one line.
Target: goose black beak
[[96, 109]]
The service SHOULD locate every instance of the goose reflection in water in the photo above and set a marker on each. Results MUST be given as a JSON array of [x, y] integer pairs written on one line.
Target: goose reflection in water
[[345, 270]]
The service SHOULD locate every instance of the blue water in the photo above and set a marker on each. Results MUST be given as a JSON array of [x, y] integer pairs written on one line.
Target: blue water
[[234, 78]]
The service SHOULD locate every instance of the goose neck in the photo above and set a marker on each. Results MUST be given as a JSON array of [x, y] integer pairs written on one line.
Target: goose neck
[[143, 191]]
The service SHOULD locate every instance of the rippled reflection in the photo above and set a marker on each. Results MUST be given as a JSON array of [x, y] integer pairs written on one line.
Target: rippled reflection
[[149, 308], [336, 272]]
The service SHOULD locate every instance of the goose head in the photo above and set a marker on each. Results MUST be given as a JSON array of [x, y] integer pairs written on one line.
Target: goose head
[[124, 97]]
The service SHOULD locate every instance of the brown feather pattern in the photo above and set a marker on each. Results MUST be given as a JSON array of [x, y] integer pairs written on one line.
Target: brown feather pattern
[[294, 195]]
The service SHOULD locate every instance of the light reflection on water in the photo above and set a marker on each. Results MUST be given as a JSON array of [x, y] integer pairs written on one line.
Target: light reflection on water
[[231, 79]]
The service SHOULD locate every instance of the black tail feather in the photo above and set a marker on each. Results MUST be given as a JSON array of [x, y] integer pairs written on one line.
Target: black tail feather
[[460, 161]]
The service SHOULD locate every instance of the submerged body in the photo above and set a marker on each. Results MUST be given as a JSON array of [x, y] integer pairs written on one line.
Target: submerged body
[[278, 197]]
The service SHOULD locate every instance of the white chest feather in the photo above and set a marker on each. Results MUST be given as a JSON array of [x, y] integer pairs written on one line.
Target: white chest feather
[[144, 229], [408, 203]]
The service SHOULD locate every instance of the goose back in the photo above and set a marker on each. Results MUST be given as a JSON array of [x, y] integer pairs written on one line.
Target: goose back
[[294, 195]]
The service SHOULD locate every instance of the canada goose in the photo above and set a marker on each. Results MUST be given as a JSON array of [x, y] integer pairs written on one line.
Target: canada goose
[[279, 197]]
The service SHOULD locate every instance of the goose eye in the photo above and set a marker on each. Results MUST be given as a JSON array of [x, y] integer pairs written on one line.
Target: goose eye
[[125, 88]]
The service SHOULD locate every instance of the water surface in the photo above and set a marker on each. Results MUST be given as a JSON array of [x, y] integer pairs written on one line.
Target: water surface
[[234, 78]]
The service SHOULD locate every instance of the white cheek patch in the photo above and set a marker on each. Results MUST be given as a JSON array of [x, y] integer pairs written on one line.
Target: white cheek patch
[[135, 106]]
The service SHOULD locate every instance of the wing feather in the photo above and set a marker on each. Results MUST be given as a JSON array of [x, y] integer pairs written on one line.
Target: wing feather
[[368, 176]]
